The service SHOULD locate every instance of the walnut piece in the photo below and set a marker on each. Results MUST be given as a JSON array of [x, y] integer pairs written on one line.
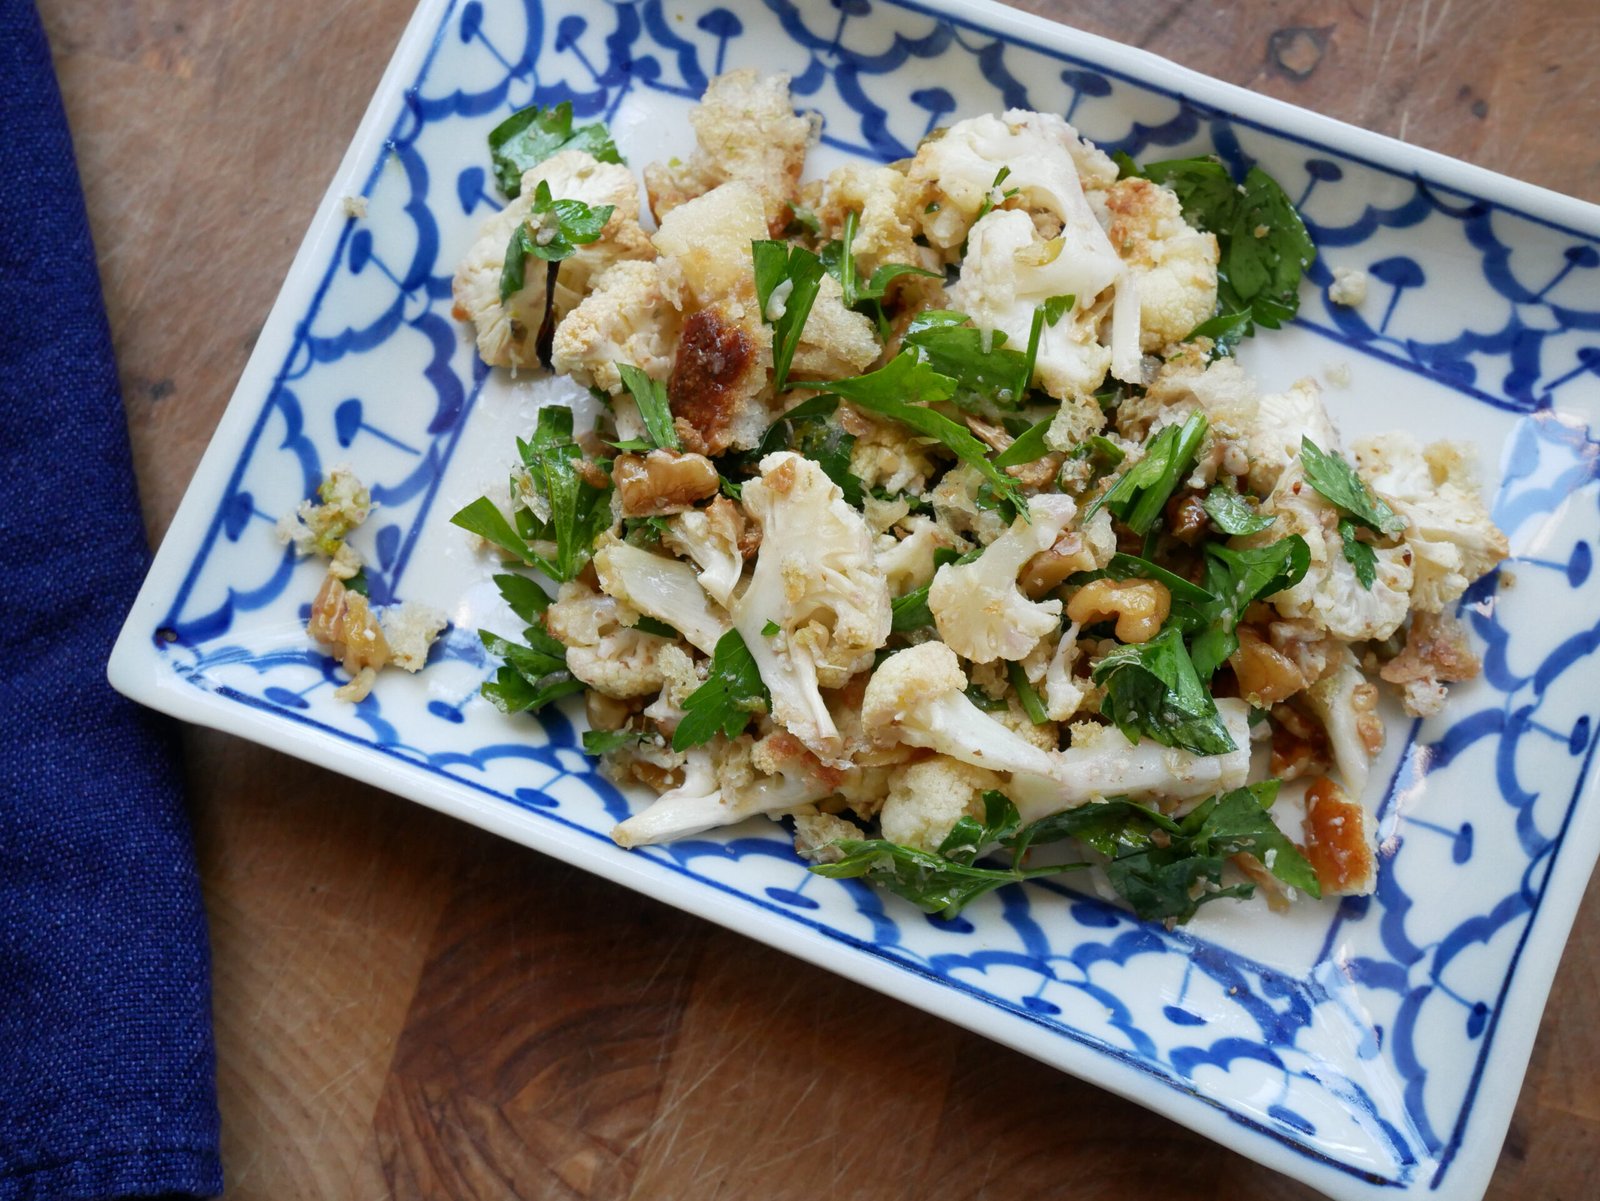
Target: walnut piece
[[342, 621], [663, 481], [1337, 843], [1046, 571], [1265, 674], [1140, 606]]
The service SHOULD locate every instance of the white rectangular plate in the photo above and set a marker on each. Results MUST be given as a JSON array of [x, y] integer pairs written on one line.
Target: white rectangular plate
[[1368, 1047]]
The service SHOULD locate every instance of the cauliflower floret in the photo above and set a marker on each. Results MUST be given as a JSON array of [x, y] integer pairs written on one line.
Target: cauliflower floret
[[728, 782], [1282, 420], [1174, 265], [1250, 434], [693, 806], [711, 536], [1058, 249], [1266, 430], [835, 342], [917, 697], [663, 588], [1048, 164], [624, 319], [1006, 275], [1064, 693], [907, 563], [1347, 706], [680, 677], [928, 797], [1330, 595], [955, 505], [506, 330], [602, 649], [886, 232], [978, 608], [815, 578], [883, 515], [322, 528], [410, 628], [884, 457], [1452, 538], [1229, 398], [1102, 763], [745, 129]]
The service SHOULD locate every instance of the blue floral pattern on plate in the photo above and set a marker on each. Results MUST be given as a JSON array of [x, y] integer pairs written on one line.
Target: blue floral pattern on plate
[[1354, 1035]]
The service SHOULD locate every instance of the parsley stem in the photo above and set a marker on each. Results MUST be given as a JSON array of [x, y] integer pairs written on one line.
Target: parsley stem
[[546, 340]]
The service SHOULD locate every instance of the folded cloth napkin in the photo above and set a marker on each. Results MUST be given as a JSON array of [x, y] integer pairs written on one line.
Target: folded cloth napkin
[[107, 1073]]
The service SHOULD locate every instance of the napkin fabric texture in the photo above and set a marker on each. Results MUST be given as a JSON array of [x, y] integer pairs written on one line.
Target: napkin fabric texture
[[107, 1073]]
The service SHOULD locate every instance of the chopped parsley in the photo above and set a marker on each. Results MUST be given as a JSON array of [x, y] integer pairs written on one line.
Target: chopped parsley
[[553, 231], [534, 672], [579, 511], [839, 259], [1141, 493], [1236, 579], [526, 598], [1358, 505], [1339, 484], [947, 881], [1047, 313], [983, 368], [806, 430], [1027, 447], [787, 280], [732, 694], [892, 391], [1264, 247], [989, 203], [1232, 513], [1027, 695], [1165, 868], [602, 742], [530, 135], [1361, 557], [1153, 691], [654, 410], [652, 625]]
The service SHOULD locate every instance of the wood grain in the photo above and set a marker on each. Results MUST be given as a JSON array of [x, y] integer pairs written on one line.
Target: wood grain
[[408, 1007]]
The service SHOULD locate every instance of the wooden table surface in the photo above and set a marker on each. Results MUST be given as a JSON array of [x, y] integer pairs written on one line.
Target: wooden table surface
[[409, 1007]]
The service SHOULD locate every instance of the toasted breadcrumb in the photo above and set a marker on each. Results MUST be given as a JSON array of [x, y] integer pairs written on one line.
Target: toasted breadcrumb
[[745, 129], [1349, 287], [410, 628]]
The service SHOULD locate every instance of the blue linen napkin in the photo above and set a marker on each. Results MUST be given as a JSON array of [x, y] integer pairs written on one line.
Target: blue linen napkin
[[107, 1071]]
